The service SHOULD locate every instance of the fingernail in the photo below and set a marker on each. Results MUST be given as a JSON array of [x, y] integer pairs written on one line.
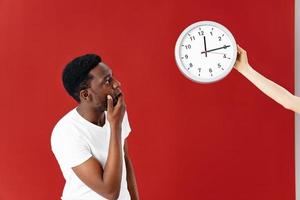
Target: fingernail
[[109, 97]]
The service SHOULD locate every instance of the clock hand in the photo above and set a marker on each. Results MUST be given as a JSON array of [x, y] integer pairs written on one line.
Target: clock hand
[[224, 47], [205, 46], [217, 52]]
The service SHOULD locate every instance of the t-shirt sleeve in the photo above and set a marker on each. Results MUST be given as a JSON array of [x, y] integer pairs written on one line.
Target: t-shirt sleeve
[[126, 126], [69, 148]]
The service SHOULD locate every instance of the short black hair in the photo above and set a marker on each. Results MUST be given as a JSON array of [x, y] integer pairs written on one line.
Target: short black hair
[[76, 76]]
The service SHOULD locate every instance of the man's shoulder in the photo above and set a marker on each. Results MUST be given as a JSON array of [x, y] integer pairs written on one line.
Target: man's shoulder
[[66, 117], [65, 124]]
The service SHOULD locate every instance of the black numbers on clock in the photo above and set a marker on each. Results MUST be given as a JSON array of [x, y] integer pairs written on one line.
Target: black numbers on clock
[[220, 66], [190, 66], [188, 46], [185, 56], [210, 71], [199, 70], [201, 33], [192, 38], [220, 37], [224, 56]]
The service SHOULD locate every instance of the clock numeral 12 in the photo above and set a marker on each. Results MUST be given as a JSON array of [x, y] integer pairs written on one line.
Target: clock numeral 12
[[201, 33]]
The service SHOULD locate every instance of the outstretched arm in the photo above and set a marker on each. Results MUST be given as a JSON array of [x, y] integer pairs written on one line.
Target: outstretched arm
[[271, 89]]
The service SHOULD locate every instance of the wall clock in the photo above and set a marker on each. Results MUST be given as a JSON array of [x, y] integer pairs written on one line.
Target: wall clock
[[205, 52]]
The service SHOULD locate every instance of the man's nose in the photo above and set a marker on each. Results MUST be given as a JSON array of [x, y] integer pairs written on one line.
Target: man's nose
[[116, 83]]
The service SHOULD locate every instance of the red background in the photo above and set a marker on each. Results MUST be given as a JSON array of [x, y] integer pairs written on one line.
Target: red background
[[220, 141]]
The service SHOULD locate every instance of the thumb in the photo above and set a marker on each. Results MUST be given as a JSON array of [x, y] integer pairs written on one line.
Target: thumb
[[109, 103]]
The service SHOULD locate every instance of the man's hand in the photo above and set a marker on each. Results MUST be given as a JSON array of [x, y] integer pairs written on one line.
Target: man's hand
[[241, 62], [115, 114]]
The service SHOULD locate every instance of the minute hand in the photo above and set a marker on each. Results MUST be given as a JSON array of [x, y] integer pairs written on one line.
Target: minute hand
[[224, 47]]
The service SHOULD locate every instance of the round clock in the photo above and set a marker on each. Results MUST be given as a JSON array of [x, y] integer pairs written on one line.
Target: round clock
[[205, 52]]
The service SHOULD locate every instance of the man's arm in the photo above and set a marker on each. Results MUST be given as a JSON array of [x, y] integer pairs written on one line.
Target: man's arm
[[106, 182], [271, 89], [131, 181]]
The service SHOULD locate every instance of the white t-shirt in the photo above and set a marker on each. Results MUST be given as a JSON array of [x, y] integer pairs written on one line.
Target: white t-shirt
[[74, 140]]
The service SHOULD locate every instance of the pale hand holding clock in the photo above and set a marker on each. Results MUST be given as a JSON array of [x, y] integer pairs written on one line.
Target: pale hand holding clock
[[271, 89], [205, 52], [241, 63]]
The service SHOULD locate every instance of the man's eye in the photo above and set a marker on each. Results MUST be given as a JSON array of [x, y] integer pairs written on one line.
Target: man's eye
[[107, 82]]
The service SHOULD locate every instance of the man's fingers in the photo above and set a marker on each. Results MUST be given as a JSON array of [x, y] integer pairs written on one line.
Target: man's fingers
[[120, 100], [109, 103]]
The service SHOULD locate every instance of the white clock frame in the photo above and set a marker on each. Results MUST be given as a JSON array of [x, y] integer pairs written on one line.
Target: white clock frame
[[178, 59]]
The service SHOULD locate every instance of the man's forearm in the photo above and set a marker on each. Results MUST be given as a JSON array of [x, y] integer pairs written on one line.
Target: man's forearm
[[112, 174], [131, 181]]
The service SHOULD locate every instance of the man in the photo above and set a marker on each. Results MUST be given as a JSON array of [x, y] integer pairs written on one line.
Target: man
[[89, 142], [271, 89]]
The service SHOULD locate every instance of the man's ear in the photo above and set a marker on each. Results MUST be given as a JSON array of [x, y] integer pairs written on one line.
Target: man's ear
[[84, 95]]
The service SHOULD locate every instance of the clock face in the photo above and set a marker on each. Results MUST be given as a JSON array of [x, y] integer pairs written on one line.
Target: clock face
[[205, 52]]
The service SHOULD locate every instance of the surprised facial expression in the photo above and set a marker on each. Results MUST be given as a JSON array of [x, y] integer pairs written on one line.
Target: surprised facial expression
[[102, 84]]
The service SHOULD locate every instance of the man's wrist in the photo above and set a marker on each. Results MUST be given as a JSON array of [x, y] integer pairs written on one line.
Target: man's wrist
[[116, 127]]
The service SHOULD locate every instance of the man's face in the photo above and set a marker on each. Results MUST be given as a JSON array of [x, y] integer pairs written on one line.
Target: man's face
[[101, 85]]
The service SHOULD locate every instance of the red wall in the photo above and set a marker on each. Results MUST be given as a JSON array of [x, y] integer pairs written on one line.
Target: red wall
[[221, 141]]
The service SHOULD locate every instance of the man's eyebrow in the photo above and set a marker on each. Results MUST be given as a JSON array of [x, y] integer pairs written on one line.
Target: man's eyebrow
[[108, 75]]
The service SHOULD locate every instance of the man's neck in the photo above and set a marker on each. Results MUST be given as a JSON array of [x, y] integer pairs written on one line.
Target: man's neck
[[91, 114]]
